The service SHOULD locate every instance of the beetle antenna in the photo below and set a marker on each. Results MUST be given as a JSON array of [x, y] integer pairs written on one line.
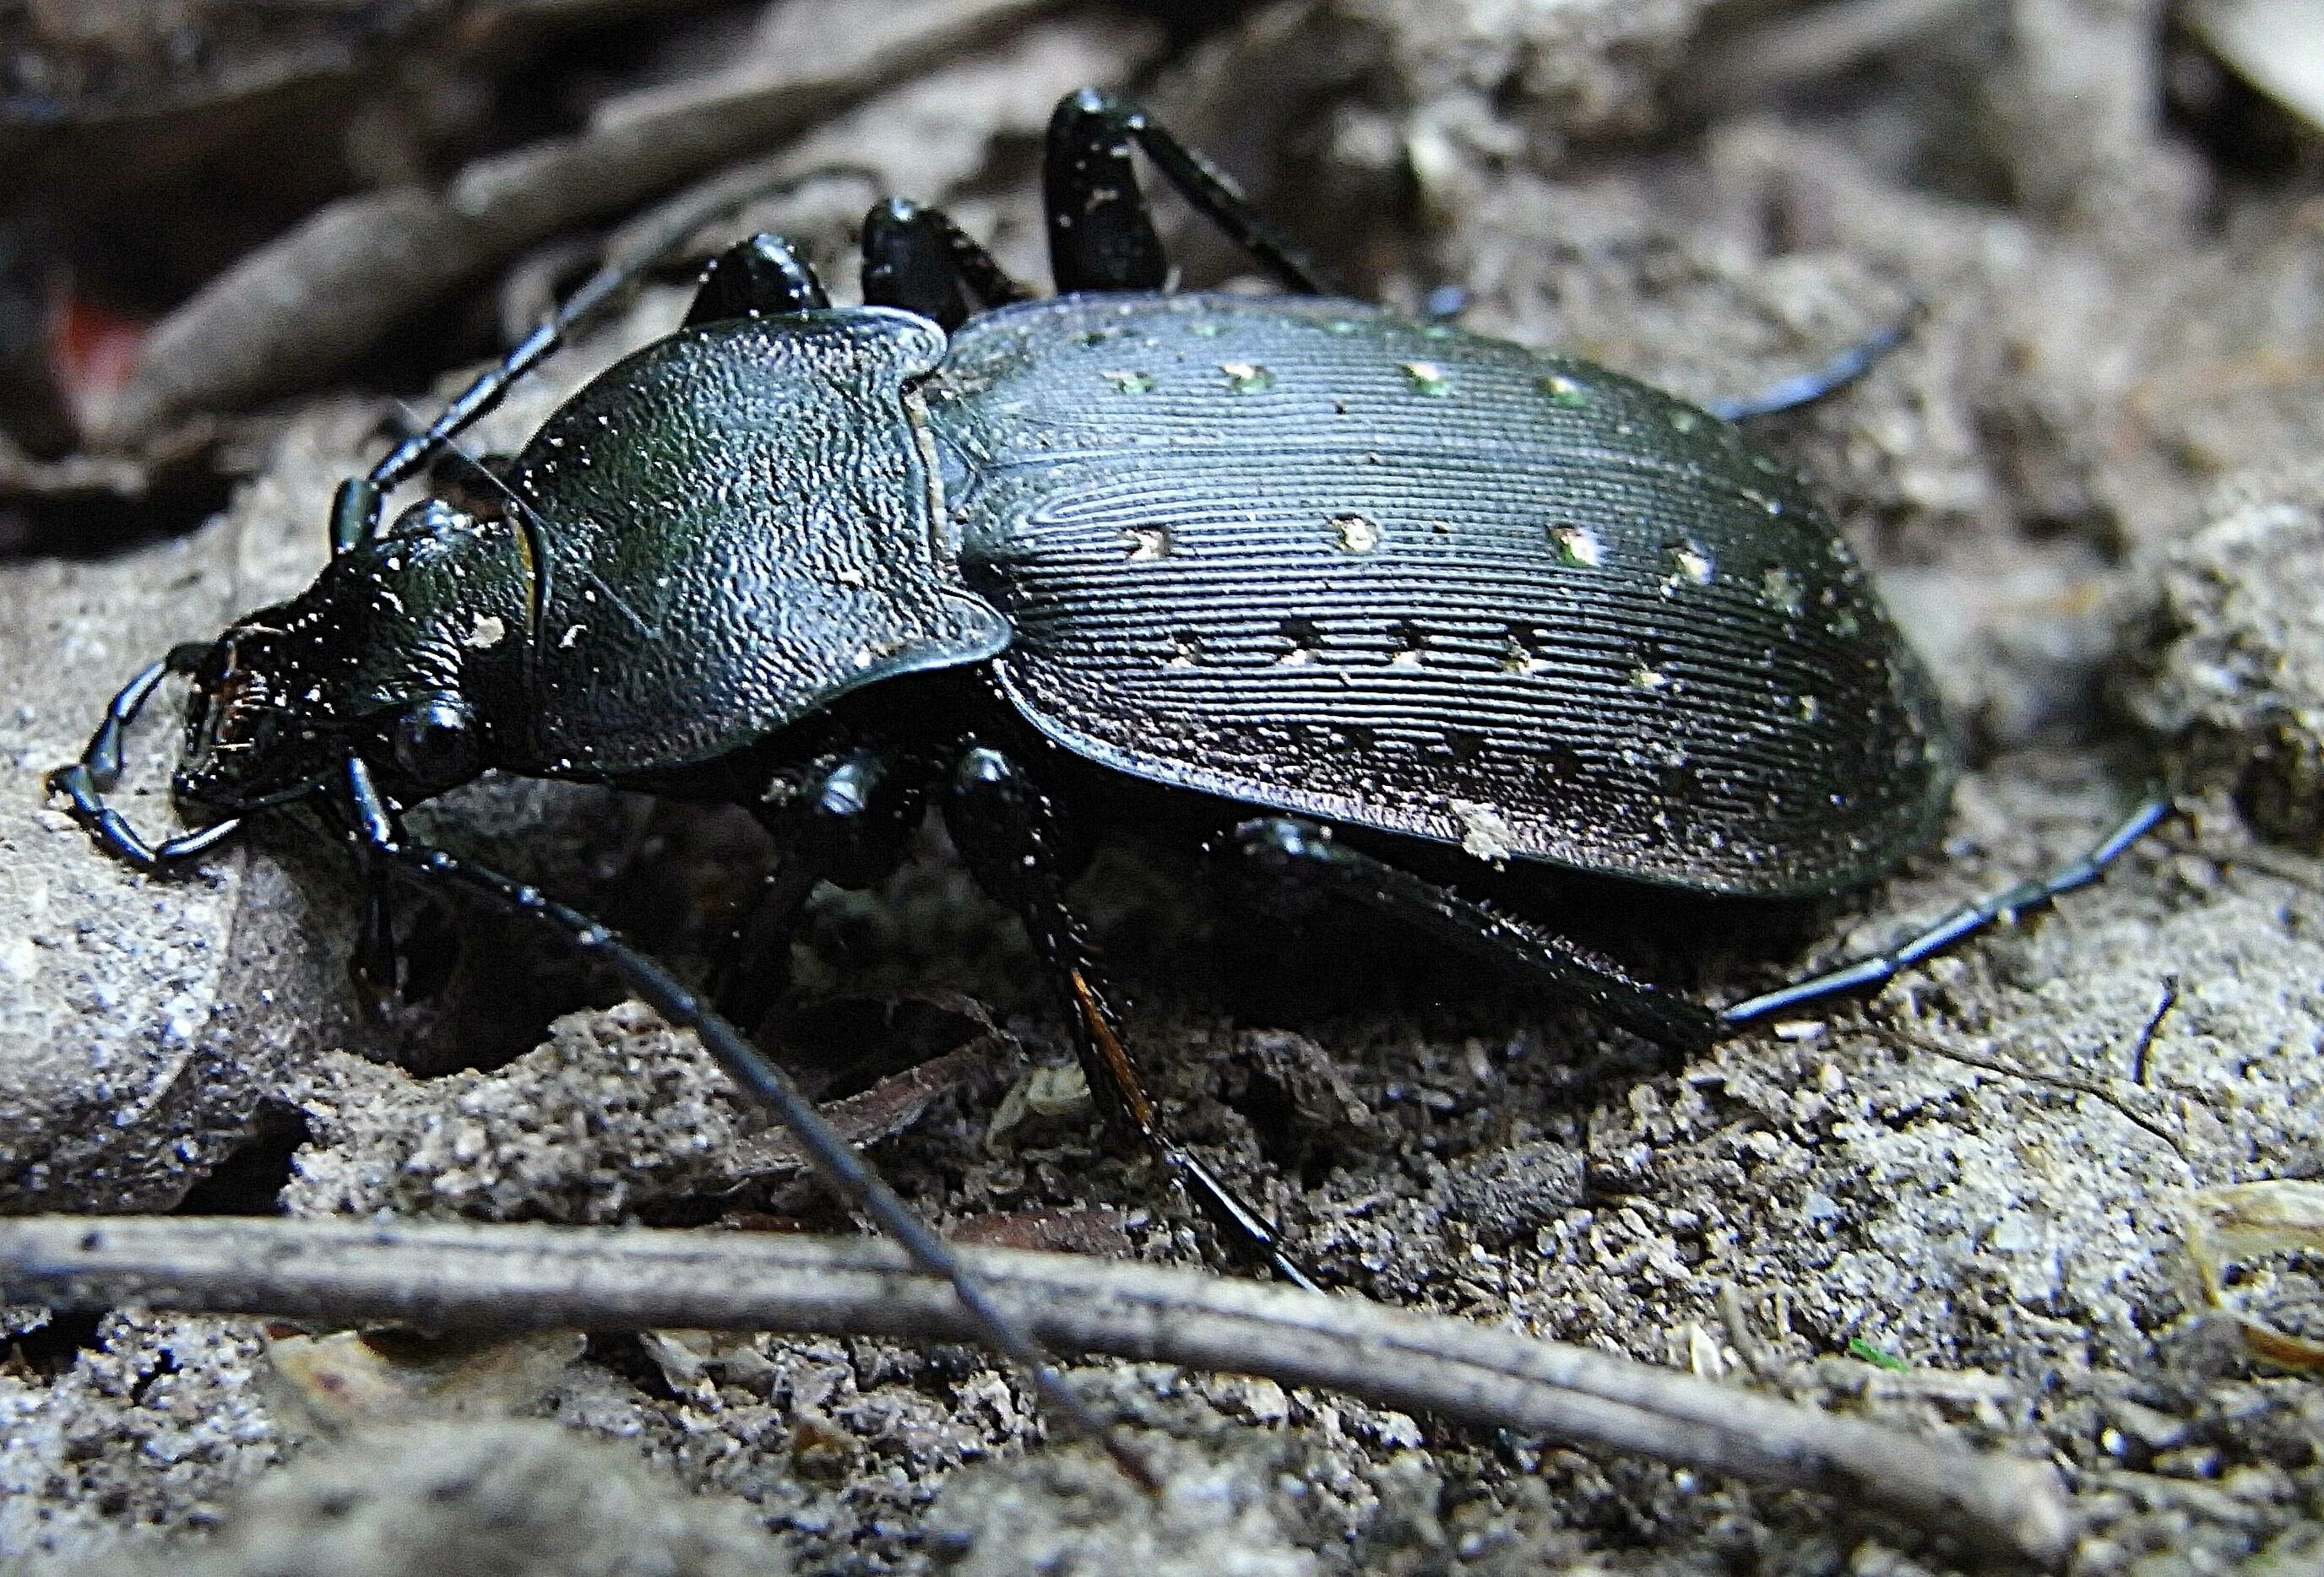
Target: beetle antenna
[[84, 782], [500, 484], [355, 508], [837, 1161]]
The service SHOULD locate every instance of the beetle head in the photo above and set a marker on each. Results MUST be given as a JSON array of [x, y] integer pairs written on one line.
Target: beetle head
[[406, 651]]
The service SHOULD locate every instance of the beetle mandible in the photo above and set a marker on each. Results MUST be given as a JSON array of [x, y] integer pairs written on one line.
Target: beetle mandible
[[1337, 583]]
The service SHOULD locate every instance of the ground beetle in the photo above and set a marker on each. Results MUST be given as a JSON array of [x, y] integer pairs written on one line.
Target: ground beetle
[[1348, 588]]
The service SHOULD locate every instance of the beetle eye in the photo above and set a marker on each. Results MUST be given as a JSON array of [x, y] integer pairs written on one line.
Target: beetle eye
[[436, 742]]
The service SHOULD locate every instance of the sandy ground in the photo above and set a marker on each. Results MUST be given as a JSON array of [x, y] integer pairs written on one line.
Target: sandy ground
[[2088, 482]]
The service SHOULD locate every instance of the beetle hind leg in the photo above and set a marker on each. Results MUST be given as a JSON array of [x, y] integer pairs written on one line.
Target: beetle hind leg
[[1804, 389], [1008, 832], [1287, 850], [1101, 232], [1878, 968]]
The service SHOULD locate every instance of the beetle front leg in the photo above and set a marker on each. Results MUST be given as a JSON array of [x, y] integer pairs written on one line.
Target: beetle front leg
[[1007, 830], [1101, 232], [377, 964], [1286, 849], [372, 822]]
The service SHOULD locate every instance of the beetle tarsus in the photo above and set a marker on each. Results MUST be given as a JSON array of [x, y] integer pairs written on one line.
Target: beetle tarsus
[[1804, 389], [1009, 831], [1878, 968]]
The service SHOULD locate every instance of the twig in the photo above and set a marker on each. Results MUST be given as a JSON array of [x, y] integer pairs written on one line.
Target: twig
[[2274, 862], [867, 1116], [1812, 46], [300, 305], [446, 1276], [1992, 1064], [2164, 1002]]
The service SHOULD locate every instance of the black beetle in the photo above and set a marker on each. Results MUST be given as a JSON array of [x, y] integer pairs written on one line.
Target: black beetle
[[1387, 583]]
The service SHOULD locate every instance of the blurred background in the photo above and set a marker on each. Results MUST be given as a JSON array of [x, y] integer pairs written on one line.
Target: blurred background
[[244, 244], [209, 208]]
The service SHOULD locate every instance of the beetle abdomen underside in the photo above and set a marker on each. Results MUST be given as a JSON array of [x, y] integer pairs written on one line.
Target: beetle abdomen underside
[[1309, 556]]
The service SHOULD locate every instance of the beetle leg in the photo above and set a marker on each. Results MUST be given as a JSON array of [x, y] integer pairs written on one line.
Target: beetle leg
[[834, 1161], [1007, 830], [753, 278], [847, 822], [1806, 388], [377, 964], [355, 506], [1965, 921], [917, 259], [1288, 849], [1101, 232], [85, 782]]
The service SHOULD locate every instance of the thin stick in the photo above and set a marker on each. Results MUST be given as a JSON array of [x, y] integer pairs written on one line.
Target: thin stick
[[444, 1276], [1992, 1063], [2164, 1003], [300, 305]]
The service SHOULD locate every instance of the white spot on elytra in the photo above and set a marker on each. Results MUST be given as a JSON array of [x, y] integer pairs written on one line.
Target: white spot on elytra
[[1148, 543], [486, 633], [1782, 587], [1484, 831], [1577, 545], [1358, 533]]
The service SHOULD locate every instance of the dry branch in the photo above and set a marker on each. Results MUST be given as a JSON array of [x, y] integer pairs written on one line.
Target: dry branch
[[299, 307], [447, 1276]]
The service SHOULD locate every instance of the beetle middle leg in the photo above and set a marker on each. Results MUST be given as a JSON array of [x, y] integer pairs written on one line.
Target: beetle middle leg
[[848, 821], [917, 259], [1100, 234], [1007, 831], [764, 274]]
